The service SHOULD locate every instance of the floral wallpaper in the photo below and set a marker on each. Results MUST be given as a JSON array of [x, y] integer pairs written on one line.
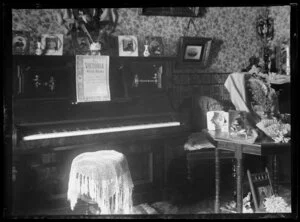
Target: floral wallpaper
[[233, 29]]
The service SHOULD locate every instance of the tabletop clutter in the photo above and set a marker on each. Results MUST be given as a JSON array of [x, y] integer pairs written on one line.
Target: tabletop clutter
[[256, 117]]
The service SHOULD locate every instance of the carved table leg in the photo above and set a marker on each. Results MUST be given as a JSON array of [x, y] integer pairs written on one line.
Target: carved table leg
[[275, 173], [217, 181], [239, 180], [233, 161]]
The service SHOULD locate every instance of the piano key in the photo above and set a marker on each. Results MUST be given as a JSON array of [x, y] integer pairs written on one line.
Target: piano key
[[99, 130]]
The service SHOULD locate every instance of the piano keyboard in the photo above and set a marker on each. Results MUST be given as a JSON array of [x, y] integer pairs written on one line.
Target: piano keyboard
[[51, 135]]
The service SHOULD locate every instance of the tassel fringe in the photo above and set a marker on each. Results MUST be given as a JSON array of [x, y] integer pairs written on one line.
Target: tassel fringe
[[104, 178]]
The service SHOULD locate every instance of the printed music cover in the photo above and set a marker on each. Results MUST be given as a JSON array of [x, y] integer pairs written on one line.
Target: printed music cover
[[92, 78]]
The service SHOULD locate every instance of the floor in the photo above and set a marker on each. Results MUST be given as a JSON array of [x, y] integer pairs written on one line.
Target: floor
[[206, 206], [186, 199], [185, 203]]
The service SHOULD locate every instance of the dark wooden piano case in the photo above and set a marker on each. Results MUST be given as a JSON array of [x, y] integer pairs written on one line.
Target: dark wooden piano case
[[42, 167]]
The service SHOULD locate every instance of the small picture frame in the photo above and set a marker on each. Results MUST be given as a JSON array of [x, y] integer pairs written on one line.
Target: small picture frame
[[20, 42], [128, 45], [52, 44], [156, 47], [193, 51], [217, 120]]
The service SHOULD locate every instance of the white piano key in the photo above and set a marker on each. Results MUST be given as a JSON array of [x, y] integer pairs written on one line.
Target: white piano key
[[100, 131]]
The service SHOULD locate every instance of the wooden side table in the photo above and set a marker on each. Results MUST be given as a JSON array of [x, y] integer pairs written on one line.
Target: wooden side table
[[223, 142]]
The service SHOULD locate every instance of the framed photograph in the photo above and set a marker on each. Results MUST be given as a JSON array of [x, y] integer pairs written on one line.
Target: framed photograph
[[156, 47], [52, 44], [128, 45], [174, 11], [20, 42], [193, 51], [217, 120]]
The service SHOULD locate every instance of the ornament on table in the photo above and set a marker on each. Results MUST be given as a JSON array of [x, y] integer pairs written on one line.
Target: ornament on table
[[240, 126]]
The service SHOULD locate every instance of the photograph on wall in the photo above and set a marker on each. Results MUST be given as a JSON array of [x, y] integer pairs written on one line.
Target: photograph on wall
[[128, 45], [193, 52], [155, 45], [52, 44], [20, 42]]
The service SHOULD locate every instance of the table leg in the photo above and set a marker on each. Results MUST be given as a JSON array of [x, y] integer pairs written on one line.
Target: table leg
[[217, 181], [239, 180], [275, 173], [233, 161]]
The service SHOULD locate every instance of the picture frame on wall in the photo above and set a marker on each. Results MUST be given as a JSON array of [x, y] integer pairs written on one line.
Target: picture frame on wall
[[128, 45], [156, 47], [193, 52], [52, 44], [20, 42]]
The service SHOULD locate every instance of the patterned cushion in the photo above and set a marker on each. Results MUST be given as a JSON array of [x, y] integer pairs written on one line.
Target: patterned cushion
[[209, 104]]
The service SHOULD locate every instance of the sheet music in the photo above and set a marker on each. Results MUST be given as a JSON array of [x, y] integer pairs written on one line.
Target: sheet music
[[92, 78]]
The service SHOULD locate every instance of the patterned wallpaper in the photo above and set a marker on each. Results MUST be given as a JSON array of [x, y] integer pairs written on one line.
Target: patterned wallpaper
[[232, 28]]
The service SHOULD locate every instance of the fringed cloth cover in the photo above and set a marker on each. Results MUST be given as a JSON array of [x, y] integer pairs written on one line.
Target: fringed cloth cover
[[105, 178]]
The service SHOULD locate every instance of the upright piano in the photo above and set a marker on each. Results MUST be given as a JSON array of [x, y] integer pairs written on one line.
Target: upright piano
[[50, 128]]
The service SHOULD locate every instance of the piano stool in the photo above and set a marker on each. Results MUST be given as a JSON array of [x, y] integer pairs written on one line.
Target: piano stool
[[103, 181]]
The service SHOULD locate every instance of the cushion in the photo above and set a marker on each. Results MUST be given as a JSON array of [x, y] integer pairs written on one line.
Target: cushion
[[207, 103], [197, 141], [203, 104]]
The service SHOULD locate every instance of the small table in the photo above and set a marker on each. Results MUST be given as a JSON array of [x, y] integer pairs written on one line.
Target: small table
[[224, 142]]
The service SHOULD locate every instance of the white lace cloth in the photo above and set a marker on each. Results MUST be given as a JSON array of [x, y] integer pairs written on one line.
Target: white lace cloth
[[105, 178]]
